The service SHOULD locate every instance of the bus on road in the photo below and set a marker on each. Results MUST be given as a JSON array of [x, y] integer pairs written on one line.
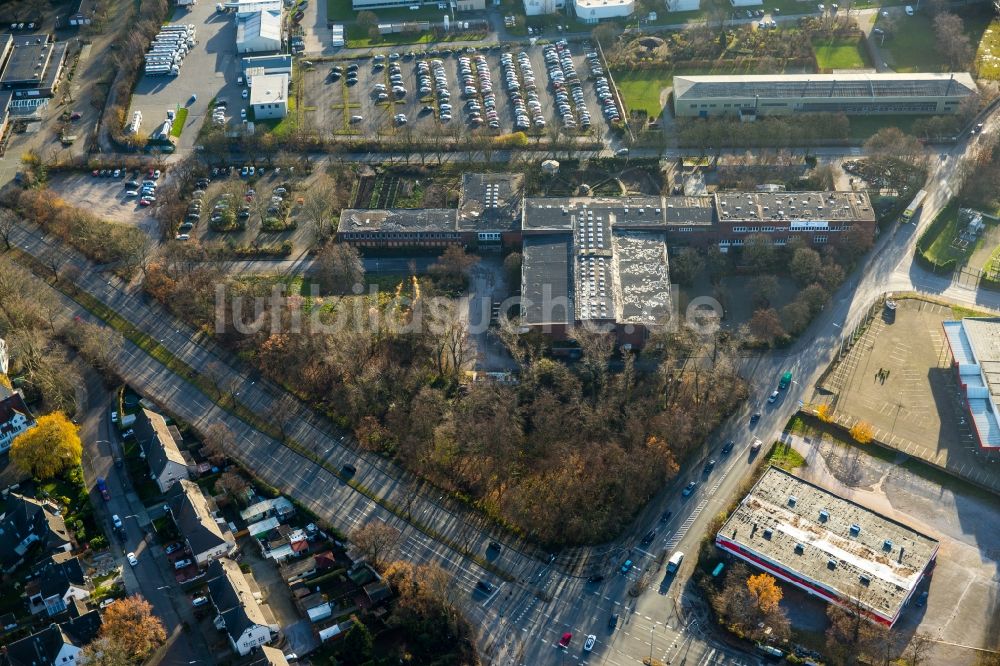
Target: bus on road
[[918, 201]]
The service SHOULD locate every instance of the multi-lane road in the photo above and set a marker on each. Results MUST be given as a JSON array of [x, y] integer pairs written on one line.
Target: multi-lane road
[[536, 601]]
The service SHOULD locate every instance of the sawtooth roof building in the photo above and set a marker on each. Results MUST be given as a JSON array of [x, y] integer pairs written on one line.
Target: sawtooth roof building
[[828, 546], [852, 94], [975, 353], [597, 262]]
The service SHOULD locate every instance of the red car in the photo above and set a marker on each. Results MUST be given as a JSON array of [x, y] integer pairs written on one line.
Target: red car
[[566, 638]]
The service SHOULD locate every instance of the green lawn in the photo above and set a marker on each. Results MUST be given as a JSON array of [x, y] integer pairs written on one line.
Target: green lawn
[[863, 127], [911, 48], [785, 457], [940, 249], [640, 89], [840, 54], [179, 120]]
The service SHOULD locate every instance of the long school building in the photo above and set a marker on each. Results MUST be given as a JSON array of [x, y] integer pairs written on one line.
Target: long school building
[[829, 546], [853, 94]]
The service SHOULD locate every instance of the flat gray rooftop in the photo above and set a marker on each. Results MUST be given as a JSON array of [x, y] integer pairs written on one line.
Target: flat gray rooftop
[[553, 213], [28, 61], [643, 273], [689, 211], [546, 281], [400, 220], [776, 206], [832, 542], [490, 202]]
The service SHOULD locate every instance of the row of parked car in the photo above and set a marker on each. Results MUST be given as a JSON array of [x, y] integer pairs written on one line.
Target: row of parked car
[[522, 90], [478, 88], [602, 88], [566, 83]]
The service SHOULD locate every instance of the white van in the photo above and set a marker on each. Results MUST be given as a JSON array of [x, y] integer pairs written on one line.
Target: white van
[[675, 562], [909, 10]]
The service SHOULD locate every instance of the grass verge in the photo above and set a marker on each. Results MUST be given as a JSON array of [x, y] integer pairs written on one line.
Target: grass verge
[[784, 456], [179, 119]]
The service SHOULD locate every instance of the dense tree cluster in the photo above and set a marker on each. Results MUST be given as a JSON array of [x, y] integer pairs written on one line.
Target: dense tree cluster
[[568, 455], [104, 242], [28, 312], [749, 605]]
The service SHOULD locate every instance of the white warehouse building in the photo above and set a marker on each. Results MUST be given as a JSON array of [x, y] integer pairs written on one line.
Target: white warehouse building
[[259, 32], [592, 11], [269, 96], [540, 7]]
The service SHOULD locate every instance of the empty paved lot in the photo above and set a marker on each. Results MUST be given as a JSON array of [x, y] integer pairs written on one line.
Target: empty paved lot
[[918, 408]]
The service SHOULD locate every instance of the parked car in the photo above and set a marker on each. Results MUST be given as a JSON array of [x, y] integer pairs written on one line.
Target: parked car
[[132, 559], [173, 548], [103, 488], [613, 622], [116, 521], [566, 638], [589, 645], [182, 563], [485, 586], [199, 601]]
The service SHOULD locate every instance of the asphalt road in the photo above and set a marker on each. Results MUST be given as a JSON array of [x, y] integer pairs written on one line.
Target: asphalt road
[[522, 621], [150, 578]]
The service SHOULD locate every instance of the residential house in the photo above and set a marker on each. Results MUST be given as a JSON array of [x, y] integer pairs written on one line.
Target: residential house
[[160, 447], [56, 645], [208, 538], [28, 521], [239, 611], [14, 418], [284, 542], [298, 570], [56, 582], [279, 507], [268, 656]]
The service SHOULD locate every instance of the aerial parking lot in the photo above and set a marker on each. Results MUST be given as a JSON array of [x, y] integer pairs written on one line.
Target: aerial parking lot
[[209, 71], [462, 92]]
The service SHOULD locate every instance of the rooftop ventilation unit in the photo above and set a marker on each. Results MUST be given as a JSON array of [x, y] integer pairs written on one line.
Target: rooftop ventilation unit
[[799, 549], [824, 515], [792, 500], [831, 564], [887, 545], [855, 529]]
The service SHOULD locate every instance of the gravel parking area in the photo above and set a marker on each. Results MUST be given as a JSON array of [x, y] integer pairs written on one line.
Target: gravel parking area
[[105, 197], [209, 71]]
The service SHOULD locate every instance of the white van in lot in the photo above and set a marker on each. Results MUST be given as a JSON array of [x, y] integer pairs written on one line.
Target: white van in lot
[[675, 562]]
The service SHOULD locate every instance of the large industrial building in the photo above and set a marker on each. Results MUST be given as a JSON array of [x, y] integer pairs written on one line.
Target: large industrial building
[[602, 260], [259, 32], [975, 353], [828, 546], [852, 94], [595, 262]]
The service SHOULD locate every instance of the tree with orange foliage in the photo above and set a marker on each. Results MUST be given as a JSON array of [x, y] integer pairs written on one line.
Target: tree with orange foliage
[[863, 432], [765, 592], [129, 634], [824, 413]]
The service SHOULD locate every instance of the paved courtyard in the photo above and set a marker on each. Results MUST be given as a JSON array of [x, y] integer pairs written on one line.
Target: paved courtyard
[[898, 378]]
